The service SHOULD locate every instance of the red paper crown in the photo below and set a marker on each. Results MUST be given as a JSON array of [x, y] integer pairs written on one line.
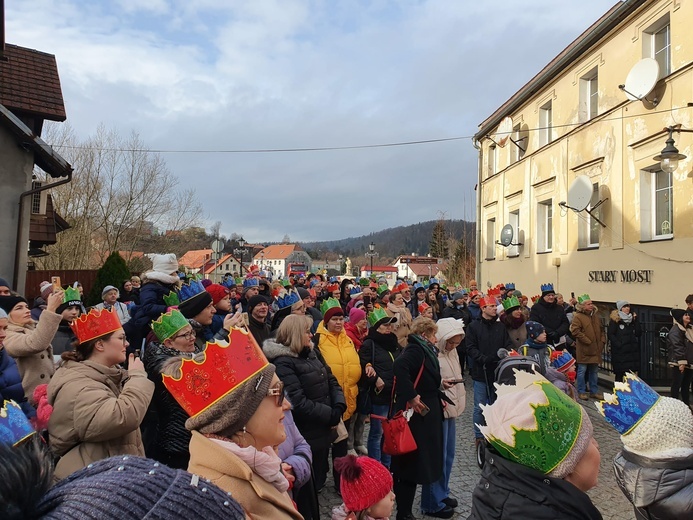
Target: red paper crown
[[535, 298], [333, 287], [223, 369], [495, 292], [488, 300], [94, 324]]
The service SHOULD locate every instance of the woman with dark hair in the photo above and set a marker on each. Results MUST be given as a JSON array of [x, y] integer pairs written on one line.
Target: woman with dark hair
[[624, 338], [97, 406], [514, 320]]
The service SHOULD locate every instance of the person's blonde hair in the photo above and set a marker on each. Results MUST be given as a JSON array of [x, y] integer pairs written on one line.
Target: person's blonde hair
[[291, 332], [424, 326]]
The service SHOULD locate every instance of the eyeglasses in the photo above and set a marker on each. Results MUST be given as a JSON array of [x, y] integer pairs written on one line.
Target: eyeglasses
[[188, 335], [277, 392]]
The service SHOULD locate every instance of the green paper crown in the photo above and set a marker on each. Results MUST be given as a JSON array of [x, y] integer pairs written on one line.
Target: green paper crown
[[583, 298], [382, 288], [168, 324], [328, 304], [171, 299], [239, 280], [511, 303], [376, 315], [286, 282], [71, 295], [364, 282]]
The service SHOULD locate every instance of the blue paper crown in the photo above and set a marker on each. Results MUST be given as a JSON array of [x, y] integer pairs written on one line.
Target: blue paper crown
[[251, 282], [510, 286], [355, 290], [288, 299], [417, 285], [228, 283], [433, 280], [313, 282], [547, 287], [188, 290], [14, 425], [333, 279], [629, 404]]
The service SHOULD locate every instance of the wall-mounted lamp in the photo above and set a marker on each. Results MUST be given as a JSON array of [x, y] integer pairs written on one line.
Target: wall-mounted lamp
[[669, 157]]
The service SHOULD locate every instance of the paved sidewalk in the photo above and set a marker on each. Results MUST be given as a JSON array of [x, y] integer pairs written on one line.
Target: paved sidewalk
[[465, 474]]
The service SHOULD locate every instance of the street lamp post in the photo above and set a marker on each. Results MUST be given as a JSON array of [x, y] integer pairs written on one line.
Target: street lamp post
[[371, 253], [241, 250]]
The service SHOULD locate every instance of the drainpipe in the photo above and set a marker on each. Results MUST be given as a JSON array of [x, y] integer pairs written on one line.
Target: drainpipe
[[477, 275], [22, 197]]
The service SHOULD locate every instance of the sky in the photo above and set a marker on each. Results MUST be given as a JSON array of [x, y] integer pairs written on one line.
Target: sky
[[217, 76]]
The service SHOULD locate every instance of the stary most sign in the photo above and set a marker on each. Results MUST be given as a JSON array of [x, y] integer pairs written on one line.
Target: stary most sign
[[627, 276]]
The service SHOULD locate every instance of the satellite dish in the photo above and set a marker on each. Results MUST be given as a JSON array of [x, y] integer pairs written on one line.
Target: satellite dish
[[580, 193], [506, 236], [504, 130], [641, 79]]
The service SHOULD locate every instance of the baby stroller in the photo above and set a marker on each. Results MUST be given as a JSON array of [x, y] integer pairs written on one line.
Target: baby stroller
[[510, 361]]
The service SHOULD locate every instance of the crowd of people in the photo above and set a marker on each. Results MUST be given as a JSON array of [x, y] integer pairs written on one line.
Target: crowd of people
[[262, 388]]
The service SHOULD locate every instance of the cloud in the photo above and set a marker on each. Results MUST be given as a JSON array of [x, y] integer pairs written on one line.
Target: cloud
[[234, 75]]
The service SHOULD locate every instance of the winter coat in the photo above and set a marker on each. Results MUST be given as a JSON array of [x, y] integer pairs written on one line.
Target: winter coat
[[355, 335], [312, 389], [425, 464], [552, 317], [589, 336], [151, 305], [516, 329], [11, 384], [474, 311], [340, 355], [97, 411], [459, 313], [64, 339], [296, 452], [450, 369], [259, 499], [484, 338], [381, 352], [659, 489], [260, 330], [31, 347], [624, 339], [402, 327], [680, 347], [509, 491]]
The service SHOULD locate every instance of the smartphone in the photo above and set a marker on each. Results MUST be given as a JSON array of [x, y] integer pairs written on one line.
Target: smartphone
[[572, 294], [366, 300], [55, 281], [455, 381], [425, 410], [137, 352]]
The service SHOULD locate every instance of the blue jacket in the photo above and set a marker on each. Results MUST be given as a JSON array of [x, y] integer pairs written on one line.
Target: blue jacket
[[11, 384]]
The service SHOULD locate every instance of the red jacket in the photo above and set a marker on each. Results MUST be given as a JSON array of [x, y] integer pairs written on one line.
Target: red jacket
[[354, 334]]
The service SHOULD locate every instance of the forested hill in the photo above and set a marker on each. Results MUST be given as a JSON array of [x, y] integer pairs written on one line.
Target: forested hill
[[402, 240]]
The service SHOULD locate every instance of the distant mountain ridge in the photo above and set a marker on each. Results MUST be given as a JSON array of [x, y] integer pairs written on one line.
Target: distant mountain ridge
[[392, 242]]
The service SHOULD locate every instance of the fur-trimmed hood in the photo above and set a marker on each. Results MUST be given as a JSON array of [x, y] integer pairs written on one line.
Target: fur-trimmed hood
[[579, 307], [273, 350]]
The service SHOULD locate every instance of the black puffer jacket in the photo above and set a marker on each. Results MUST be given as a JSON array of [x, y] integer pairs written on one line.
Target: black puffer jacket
[[552, 317], [624, 339], [658, 489], [484, 338], [315, 395], [509, 491], [381, 350]]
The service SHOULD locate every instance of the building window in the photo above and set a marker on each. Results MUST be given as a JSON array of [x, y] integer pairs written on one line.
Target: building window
[[656, 205], [36, 198], [491, 162], [544, 226], [514, 221], [588, 227], [589, 95], [491, 239], [520, 146], [546, 124], [657, 44]]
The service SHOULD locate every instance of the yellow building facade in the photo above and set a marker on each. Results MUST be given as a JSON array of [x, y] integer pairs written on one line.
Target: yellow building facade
[[573, 121]]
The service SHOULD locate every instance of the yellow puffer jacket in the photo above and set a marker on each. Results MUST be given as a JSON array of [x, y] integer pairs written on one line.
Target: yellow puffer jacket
[[341, 356]]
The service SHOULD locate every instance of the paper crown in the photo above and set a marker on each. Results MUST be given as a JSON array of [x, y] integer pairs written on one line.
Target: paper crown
[[417, 286], [495, 292], [190, 289], [382, 288], [631, 401], [423, 306], [510, 286], [286, 282], [15, 428], [511, 303], [238, 280], [561, 360], [287, 299], [72, 297], [333, 287], [222, 369], [546, 288], [500, 286], [377, 314], [329, 303], [171, 299], [355, 291], [488, 300], [364, 282], [433, 280], [168, 324], [536, 298], [251, 282], [583, 298], [229, 283], [94, 324], [532, 422], [333, 279]]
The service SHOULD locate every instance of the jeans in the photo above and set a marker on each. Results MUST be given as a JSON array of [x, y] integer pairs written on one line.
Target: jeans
[[681, 383], [356, 428], [375, 436], [592, 373], [481, 396], [432, 495]]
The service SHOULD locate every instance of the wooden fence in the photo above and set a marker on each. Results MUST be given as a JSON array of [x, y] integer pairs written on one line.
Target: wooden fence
[[86, 277]]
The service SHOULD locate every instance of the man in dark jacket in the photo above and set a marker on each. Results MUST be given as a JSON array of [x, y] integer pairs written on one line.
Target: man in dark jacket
[[484, 337], [551, 315], [258, 309], [459, 311]]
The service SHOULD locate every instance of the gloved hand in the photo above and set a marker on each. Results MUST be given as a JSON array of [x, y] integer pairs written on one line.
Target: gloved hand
[[336, 415]]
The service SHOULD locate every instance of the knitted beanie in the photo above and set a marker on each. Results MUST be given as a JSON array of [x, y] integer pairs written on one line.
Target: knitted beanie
[[166, 264], [621, 303], [254, 301], [195, 305], [363, 481], [668, 425], [206, 283], [128, 487], [4, 283], [218, 292], [356, 315], [534, 329], [3, 314], [303, 293], [107, 289], [233, 411], [46, 288], [561, 360], [331, 312], [7, 303]]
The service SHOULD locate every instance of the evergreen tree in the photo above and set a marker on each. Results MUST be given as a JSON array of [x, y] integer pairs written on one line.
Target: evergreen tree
[[113, 272], [438, 245]]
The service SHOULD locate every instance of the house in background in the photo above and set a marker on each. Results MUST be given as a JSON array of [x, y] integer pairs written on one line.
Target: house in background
[[417, 268], [277, 259]]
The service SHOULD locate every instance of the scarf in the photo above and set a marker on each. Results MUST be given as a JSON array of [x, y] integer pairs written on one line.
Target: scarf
[[388, 341], [430, 350], [625, 318], [266, 463], [533, 344], [166, 279]]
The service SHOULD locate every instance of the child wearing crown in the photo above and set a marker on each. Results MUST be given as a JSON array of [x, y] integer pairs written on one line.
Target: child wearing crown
[[655, 467]]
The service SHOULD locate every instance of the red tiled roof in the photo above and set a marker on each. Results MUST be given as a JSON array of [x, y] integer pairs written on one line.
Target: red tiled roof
[[209, 266], [196, 258], [277, 251], [422, 269], [29, 83], [380, 268]]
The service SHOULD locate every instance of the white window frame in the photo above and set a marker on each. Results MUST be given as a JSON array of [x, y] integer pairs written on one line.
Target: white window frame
[[650, 229], [589, 230], [652, 44], [514, 221], [589, 95], [491, 238], [545, 226], [518, 152], [546, 123]]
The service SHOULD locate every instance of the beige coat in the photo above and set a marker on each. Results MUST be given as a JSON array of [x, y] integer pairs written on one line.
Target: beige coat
[[259, 499], [589, 336], [402, 327], [450, 369], [31, 347], [97, 411]]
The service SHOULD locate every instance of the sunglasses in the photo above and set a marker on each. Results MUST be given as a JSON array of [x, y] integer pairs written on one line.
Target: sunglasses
[[277, 392]]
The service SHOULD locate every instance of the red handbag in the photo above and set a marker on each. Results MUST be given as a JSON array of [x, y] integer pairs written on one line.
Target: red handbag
[[397, 436]]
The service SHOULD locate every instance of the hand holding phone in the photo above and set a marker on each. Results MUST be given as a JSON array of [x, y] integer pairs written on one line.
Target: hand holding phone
[[55, 281]]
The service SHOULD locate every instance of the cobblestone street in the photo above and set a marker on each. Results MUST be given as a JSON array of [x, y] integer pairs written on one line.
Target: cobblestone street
[[606, 496]]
